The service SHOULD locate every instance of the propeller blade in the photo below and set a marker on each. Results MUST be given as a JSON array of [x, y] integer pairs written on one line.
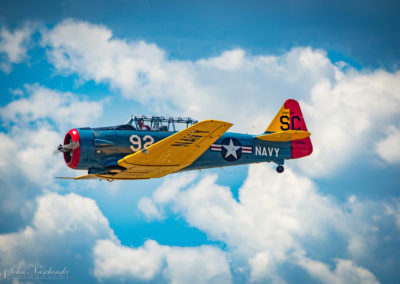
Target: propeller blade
[[67, 147]]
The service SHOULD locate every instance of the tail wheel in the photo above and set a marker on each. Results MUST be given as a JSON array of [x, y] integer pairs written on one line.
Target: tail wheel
[[280, 169]]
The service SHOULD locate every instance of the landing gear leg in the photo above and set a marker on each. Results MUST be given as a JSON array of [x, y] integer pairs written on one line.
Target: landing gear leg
[[280, 169]]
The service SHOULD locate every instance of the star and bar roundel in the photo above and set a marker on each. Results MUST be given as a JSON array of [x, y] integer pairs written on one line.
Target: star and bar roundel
[[231, 149]]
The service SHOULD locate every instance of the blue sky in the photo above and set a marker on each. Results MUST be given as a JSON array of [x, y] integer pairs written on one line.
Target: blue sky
[[333, 217]]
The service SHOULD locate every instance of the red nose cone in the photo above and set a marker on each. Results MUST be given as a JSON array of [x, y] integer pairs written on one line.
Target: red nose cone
[[72, 158]]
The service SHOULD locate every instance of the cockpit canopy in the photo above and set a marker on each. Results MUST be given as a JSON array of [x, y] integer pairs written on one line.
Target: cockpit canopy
[[160, 123]]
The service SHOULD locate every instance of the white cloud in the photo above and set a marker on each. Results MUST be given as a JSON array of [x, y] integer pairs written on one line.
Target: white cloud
[[388, 148], [143, 72], [14, 45], [346, 118], [46, 104], [229, 60], [204, 264], [394, 210], [274, 217], [16, 92], [70, 231], [32, 121], [149, 209], [343, 108], [36, 126], [345, 272], [95, 55], [63, 226], [262, 266], [166, 193], [36, 123], [170, 188], [28, 165], [112, 259]]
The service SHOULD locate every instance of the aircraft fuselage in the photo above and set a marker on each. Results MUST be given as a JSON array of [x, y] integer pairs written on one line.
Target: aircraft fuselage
[[103, 147]]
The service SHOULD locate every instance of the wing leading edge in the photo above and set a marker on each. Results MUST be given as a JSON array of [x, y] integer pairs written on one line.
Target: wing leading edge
[[174, 152]]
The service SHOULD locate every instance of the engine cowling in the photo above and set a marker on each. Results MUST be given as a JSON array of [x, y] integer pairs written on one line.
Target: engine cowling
[[78, 149], [73, 156]]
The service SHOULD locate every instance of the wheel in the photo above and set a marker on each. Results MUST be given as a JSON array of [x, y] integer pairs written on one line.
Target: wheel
[[280, 169]]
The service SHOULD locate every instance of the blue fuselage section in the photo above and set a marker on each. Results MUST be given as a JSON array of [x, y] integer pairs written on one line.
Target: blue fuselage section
[[103, 147]]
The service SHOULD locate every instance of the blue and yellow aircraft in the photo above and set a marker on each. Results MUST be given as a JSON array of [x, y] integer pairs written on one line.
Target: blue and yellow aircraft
[[152, 147]]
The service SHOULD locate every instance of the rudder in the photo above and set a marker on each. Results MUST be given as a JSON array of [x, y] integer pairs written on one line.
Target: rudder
[[290, 117]]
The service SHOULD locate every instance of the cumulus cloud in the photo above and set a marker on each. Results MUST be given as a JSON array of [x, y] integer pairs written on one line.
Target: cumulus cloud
[[394, 210], [166, 193], [62, 108], [343, 107], [71, 232], [261, 206], [149, 209], [143, 72], [112, 259], [388, 149], [62, 233], [204, 264], [346, 117], [272, 221], [14, 45], [124, 65], [35, 124], [345, 272], [229, 60]]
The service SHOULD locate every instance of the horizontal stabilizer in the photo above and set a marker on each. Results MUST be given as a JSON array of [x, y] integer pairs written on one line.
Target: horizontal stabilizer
[[284, 136]]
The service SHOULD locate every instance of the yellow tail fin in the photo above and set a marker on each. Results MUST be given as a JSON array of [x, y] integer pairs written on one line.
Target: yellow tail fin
[[281, 122], [289, 125]]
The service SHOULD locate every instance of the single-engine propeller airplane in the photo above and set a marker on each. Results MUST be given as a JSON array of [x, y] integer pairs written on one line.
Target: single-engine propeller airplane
[[137, 150]]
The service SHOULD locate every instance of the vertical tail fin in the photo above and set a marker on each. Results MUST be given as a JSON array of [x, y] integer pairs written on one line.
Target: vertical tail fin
[[290, 117]]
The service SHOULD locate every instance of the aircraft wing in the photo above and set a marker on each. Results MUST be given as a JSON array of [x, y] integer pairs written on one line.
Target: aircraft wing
[[172, 153], [85, 176]]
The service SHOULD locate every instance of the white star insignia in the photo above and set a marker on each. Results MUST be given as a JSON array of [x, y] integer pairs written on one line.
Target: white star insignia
[[231, 149]]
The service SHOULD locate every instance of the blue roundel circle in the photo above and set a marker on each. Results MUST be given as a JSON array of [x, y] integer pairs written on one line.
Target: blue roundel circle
[[231, 149]]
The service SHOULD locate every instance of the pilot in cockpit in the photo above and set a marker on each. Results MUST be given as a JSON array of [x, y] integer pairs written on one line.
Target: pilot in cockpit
[[143, 126]]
